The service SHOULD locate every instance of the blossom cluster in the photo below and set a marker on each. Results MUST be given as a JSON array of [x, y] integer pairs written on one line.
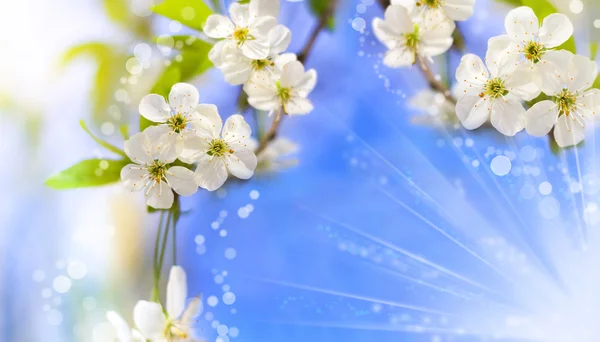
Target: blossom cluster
[[186, 133], [250, 51], [520, 65], [155, 323]]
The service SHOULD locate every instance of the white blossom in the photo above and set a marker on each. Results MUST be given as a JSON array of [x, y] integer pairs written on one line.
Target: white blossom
[[247, 29], [276, 156], [124, 332], [493, 92], [174, 323], [438, 109], [406, 39], [567, 78], [288, 92], [177, 118], [457, 10], [152, 172], [218, 153], [528, 42]]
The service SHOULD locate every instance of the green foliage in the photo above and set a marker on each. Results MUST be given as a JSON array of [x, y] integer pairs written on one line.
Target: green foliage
[[193, 62], [593, 50], [102, 142], [320, 8], [109, 62], [514, 3], [88, 173], [191, 13]]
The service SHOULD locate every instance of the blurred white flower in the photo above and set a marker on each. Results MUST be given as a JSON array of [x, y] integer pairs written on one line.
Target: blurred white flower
[[276, 156], [177, 118], [567, 78], [407, 39], [495, 94], [151, 171], [174, 323], [289, 91], [457, 10], [238, 69], [247, 29], [218, 152], [440, 111], [528, 42], [124, 332]]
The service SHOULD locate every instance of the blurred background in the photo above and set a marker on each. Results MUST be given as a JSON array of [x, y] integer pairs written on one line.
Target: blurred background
[[386, 222]]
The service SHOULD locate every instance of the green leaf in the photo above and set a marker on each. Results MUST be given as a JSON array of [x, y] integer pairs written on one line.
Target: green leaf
[[514, 3], [319, 9], [191, 13], [88, 173], [101, 142], [593, 50], [118, 11], [542, 9]]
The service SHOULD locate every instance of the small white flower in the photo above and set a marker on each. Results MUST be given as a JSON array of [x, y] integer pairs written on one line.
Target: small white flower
[[176, 324], [572, 103], [152, 173], [528, 42], [124, 332], [218, 153], [495, 94], [439, 110], [276, 156], [247, 29], [238, 69], [178, 118], [289, 91], [456, 10], [407, 39]]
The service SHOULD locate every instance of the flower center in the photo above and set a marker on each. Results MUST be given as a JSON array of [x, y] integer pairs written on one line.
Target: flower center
[[430, 3], [218, 148], [284, 94], [260, 64], [157, 171], [174, 331], [241, 35], [494, 88], [177, 122], [566, 102], [412, 39], [534, 51]]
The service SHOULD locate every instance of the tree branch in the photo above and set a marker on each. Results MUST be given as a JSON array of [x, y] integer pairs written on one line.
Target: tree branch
[[434, 83], [271, 134]]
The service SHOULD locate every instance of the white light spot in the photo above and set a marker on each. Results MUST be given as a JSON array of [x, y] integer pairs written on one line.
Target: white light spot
[[222, 339], [500, 165], [368, 2], [165, 43], [228, 298], [230, 253], [77, 270], [234, 332], [199, 239], [188, 13], [222, 329], [219, 279], [134, 66], [549, 208], [223, 233], [254, 194], [175, 26], [576, 6], [545, 188], [212, 301], [243, 212], [142, 51], [359, 24], [597, 23], [527, 191], [61, 284], [528, 153], [361, 8]]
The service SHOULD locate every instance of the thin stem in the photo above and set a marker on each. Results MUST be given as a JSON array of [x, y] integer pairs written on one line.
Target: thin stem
[[174, 238], [323, 20], [434, 83], [155, 290], [271, 133]]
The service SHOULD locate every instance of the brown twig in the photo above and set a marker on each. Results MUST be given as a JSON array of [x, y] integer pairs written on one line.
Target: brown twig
[[384, 3], [434, 83], [271, 133]]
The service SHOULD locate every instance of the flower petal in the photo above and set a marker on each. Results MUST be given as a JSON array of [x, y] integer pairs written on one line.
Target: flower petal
[[183, 97], [568, 132], [159, 196], [211, 173], [149, 318], [398, 19], [139, 148], [260, 8], [193, 146], [122, 328], [236, 130], [261, 26], [556, 29], [385, 33], [255, 49], [222, 52], [218, 26], [399, 57], [242, 162], [297, 105], [192, 310], [176, 290], [292, 73], [262, 95], [307, 83], [279, 39], [502, 50], [436, 37], [522, 24], [237, 72], [582, 73], [473, 111], [239, 14], [166, 144], [206, 121], [540, 118], [472, 73], [551, 72], [458, 10], [154, 108], [508, 116], [520, 83], [182, 181], [588, 104], [134, 178]]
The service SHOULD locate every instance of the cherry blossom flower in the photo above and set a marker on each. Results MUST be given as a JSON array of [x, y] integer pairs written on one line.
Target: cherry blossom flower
[[493, 92], [174, 323], [238, 69], [124, 332], [218, 153], [438, 109], [456, 10], [151, 171], [177, 118], [247, 29], [276, 156], [567, 78], [288, 92], [407, 39], [528, 42]]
